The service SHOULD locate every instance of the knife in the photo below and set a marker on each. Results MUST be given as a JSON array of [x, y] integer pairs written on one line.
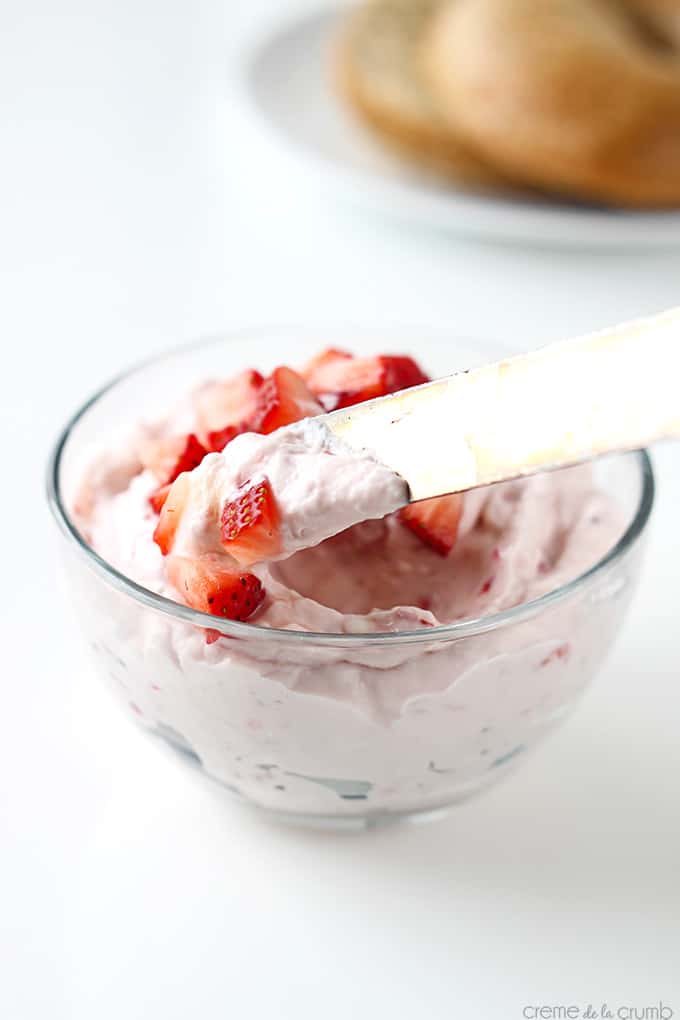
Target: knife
[[618, 389]]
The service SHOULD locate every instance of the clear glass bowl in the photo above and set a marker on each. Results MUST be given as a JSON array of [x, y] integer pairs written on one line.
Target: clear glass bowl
[[343, 730]]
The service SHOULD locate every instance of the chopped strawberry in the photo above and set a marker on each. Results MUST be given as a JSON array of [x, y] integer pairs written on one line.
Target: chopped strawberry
[[168, 458], [562, 652], [250, 523], [171, 513], [205, 584], [435, 521], [220, 438], [401, 373], [283, 399], [340, 381], [315, 371], [229, 402], [158, 497]]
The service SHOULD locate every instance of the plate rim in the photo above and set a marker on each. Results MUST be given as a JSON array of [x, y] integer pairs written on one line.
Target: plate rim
[[550, 225]]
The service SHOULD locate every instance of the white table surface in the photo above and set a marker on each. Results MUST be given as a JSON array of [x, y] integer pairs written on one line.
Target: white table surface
[[136, 211]]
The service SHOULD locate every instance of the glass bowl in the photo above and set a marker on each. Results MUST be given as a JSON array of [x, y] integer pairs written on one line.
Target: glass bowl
[[339, 730]]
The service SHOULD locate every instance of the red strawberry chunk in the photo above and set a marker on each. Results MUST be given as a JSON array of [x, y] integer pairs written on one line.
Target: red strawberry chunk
[[401, 373], [562, 652], [220, 438], [205, 584], [158, 497], [171, 513], [168, 458], [340, 381], [229, 402], [191, 456], [250, 523], [316, 371], [435, 521], [283, 398]]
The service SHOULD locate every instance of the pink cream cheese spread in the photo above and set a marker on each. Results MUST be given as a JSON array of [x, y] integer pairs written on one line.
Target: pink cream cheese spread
[[305, 726]]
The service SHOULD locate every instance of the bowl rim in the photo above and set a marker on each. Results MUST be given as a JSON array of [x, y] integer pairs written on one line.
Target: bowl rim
[[253, 631]]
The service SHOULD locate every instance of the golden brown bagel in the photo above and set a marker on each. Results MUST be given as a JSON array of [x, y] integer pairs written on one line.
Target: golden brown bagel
[[576, 96], [379, 73]]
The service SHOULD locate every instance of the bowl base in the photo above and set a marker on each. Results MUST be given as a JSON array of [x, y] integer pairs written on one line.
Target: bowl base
[[353, 823]]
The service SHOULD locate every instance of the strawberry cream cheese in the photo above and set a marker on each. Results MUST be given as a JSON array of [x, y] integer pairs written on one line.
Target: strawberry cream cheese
[[320, 486], [289, 529]]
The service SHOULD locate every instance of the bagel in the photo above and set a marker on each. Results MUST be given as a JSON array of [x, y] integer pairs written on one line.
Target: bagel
[[580, 97], [378, 71]]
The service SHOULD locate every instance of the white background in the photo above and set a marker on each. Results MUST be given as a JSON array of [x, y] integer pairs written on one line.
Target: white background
[[136, 211]]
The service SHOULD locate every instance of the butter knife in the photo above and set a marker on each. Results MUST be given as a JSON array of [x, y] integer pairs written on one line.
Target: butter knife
[[618, 389]]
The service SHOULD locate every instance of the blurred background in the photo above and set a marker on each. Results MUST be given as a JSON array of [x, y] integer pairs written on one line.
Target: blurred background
[[152, 191]]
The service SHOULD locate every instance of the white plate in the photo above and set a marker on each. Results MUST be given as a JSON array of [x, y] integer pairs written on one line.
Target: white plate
[[287, 79]]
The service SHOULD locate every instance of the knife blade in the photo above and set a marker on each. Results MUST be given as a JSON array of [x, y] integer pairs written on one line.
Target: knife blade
[[617, 389]]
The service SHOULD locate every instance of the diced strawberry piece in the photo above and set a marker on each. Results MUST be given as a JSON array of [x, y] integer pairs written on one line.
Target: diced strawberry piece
[[168, 458], [435, 521], [171, 513], [191, 456], [250, 523], [220, 438], [158, 497], [283, 399], [401, 373], [205, 584], [341, 381], [562, 652], [315, 371], [229, 402]]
